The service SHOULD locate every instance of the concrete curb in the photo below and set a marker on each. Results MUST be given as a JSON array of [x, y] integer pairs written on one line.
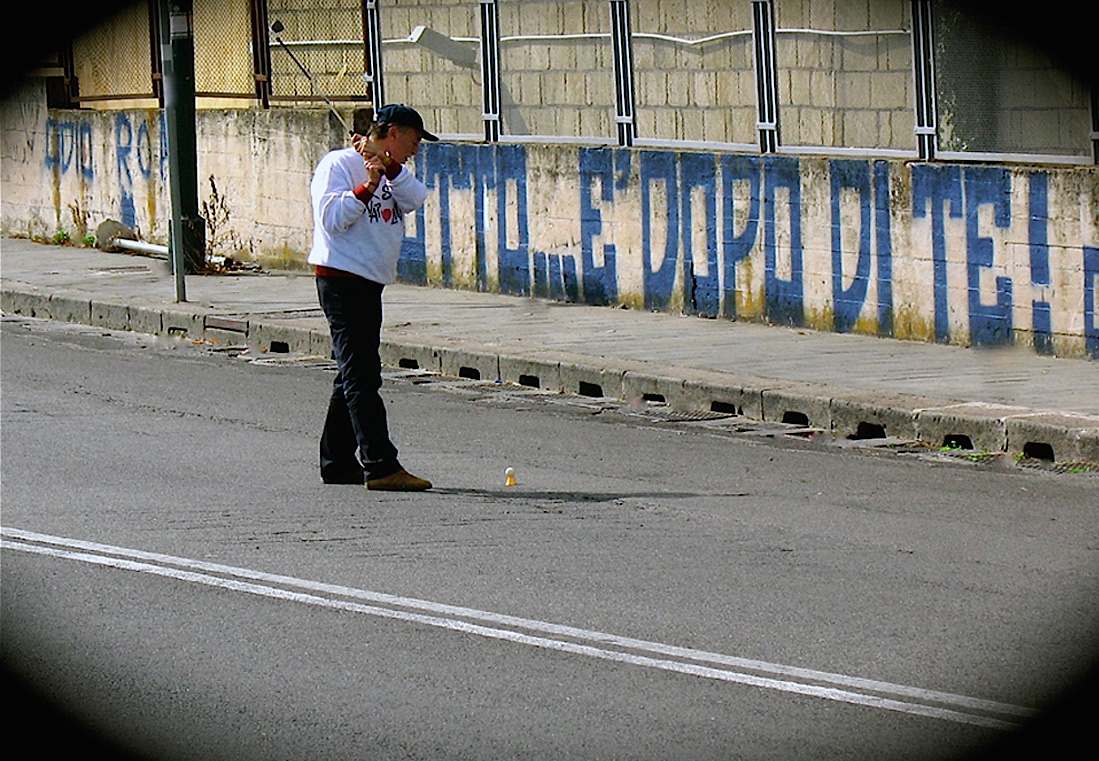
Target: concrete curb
[[847, 413]]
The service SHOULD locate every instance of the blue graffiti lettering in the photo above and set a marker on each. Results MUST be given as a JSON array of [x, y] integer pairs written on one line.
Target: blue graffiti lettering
[[499, 170], [511, 172], [59, 145], [55, 145], [937, 187], [1091, 285], [84, 150], [144, 151], [441, 167], [883, 239], [67, 142], [658, 283], [163, 146], [737, 247], [1039, 260], [783, 299], [848, 302], [612, 169], [988, 323], [555, 276], [687, 252], [701, 292], [412, 263], [124, 137]]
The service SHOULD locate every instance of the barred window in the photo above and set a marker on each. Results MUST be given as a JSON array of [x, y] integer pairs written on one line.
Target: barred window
[[694, 72], [845, 74], [113, 59], [432, 54], [998, 94], [556, 69], [327, 39]]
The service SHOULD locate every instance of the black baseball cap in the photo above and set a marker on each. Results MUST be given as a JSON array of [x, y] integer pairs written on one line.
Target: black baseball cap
[[403, 116]]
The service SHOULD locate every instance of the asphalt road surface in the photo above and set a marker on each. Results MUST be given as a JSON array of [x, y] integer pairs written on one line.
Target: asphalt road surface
[[178, 584]]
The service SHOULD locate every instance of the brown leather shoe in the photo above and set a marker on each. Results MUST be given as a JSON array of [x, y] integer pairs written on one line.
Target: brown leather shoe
[[402, 480]]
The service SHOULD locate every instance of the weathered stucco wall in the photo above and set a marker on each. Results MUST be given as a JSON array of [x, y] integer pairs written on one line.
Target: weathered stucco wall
[[68, 170], [966, 254]]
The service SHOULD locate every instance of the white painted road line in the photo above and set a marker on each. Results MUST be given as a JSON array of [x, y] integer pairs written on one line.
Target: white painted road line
[[593, 644]]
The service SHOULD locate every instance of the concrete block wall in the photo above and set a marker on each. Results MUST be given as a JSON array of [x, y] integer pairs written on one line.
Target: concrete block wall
[[851, 91], [444, 84], [703, 92], [69, 170], [563, 87]]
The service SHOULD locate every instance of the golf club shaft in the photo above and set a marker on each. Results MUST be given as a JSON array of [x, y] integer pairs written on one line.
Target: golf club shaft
[[312, 82]]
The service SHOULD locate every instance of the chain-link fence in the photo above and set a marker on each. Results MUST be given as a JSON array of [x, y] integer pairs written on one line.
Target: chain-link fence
[[224, 65], [317, 50], [113, 60], [999, 94]]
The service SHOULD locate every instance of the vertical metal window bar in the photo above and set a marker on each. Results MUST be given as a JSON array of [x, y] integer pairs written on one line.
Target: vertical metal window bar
[[622, 35], [923, 68], [261, 52], [157, 64], [1095, 122], [490, 69], [763, 33], [372, 33]]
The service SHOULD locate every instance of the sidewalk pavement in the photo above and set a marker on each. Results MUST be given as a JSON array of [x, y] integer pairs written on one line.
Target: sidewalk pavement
[[993, 400]]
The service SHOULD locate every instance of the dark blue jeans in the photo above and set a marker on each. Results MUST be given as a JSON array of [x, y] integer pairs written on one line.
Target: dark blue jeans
[[356, 420]]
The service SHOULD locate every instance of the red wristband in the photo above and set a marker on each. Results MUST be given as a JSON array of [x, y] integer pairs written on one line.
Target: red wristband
[[364, 192]]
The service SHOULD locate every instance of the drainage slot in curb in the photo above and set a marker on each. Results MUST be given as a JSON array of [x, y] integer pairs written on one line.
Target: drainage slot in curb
[[408, 364], [590, 389], [1037, 450], [957, 441], [470, 373], [795, 418], [726, 408], [280, 347], [657, 398], [868, 431], [530, 381]]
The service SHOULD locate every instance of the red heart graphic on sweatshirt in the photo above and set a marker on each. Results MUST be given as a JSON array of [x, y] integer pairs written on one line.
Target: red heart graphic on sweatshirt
[[386, 214]]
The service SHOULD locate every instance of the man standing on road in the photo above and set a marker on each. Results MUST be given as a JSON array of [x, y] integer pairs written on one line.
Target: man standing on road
[[360, 196]]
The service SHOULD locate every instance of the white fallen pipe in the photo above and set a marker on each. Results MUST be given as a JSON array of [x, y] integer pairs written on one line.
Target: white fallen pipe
[[144, 248]]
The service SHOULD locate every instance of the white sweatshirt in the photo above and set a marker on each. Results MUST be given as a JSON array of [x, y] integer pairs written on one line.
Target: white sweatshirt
[[348, 235]]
